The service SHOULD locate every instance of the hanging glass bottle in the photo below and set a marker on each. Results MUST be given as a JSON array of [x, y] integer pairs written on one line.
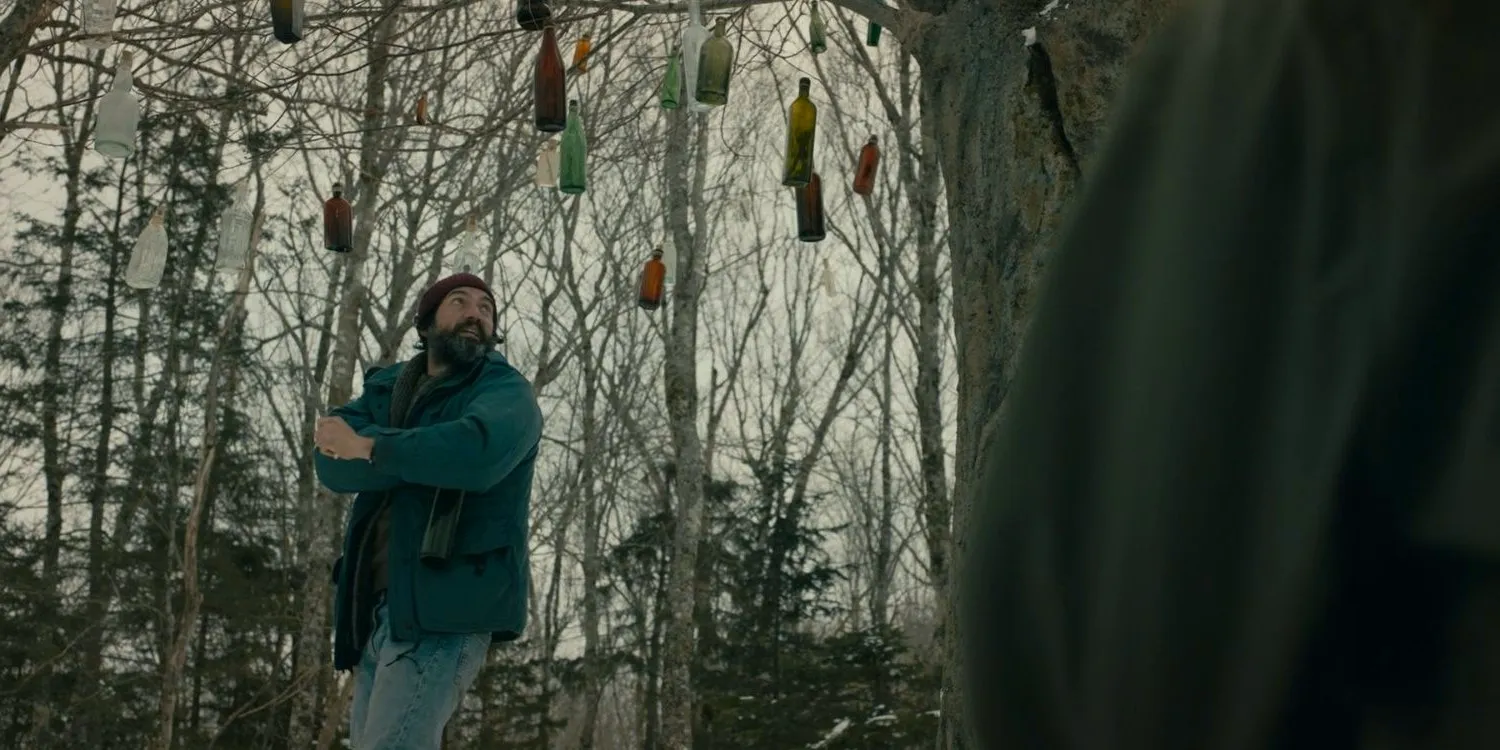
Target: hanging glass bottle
[[234, 229], [467, 259], [872, 35], [421, 114], [148, 259], [574, 153], [533, 15], [338, 222], [551, 85], [653, 282], [864, 170], [287, 17], [817, 35], [802, 124], [119, 114], [830, 283], [671, 83], [669, 259], [810, 210], [581, 52], [693, 37], [547, 165], [715, 64], [98, 23]]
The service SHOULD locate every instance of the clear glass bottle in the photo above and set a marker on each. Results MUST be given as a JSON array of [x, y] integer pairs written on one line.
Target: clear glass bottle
[[234, 229], [802, 124], [338, 222], [148, 258], [817, 34], [693, 37], [287, 17], [119, 114], [864, 170], [653, 282], [551, 85], [547, 165], [715, 66], [467, 259], [572, 175], [97, 21]]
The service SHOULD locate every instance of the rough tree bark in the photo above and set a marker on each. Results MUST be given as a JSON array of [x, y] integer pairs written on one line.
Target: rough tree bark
[[1015, 126]]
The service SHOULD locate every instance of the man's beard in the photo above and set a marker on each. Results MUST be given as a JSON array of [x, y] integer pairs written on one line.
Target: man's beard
[[454, 348]]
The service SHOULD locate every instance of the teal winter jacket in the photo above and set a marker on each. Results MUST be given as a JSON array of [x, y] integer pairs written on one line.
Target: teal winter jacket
[[474, 436]]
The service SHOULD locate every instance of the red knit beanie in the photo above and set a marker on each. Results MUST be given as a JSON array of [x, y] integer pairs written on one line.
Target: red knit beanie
[[440, 290]]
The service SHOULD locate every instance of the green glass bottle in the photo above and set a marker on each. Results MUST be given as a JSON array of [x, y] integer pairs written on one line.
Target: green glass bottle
[[872, 35], [802, 124], [574, 153], [671, 84], [715, 64], [817, 35]]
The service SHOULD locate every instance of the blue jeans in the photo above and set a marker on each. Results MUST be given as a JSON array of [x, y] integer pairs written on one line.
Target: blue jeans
[[404, 693]]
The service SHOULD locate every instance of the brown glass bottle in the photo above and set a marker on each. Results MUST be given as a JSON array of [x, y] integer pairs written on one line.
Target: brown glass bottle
[[653, 281], [551, 85], [810, 210], [421, 114], [864, 171], [338, 222], [533, 15]]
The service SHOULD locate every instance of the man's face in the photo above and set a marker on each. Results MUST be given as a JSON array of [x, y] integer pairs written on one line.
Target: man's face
[[463, 329]]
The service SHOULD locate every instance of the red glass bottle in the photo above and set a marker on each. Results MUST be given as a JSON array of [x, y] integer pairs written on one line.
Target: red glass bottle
[[653, 281], [864, 172], [338, 222], [810, 210], [551, 85]]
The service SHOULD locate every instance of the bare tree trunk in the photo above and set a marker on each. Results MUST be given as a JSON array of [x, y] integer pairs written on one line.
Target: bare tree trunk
[[323, 515], [682, 409], [225, 367], [16, 31], [1006, 101]]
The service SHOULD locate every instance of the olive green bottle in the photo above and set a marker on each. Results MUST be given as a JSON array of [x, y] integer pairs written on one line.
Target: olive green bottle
[[715, 63], [801, 128]]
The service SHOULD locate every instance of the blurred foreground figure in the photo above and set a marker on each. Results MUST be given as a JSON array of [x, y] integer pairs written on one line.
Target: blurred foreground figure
[[1247, 492]]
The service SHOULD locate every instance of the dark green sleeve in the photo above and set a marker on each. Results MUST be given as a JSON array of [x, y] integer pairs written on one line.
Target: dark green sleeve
[[498, 430], [353, 475]]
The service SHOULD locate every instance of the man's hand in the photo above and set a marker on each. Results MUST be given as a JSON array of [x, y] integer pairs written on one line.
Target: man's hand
[[336, 439]]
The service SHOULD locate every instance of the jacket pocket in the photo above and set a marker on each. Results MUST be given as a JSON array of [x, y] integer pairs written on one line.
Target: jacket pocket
[[475, 590]]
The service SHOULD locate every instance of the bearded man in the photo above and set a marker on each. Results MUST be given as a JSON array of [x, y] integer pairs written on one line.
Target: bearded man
[[440, 450]]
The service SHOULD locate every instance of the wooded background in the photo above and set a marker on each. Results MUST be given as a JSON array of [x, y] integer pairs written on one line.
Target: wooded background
[[748, 505]]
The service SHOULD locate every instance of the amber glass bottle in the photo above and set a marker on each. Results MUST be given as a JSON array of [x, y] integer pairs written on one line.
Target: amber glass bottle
[[581, 53], [533, 15], [551, 85], [421, 114], [864, 171], [801, 127], [653, 281], [715, 64], [338, 222], [286, 20], [810, 211]]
